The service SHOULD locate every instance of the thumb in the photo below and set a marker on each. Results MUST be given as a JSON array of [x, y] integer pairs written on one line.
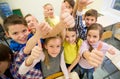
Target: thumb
[[39, 44]]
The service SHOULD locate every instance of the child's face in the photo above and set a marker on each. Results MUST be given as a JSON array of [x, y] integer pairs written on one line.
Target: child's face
[[89, 20], [31, 22], [93, 36], [3, 66], [53, 47], [68, 6], [18, 33], [49, 10], [71, 37]]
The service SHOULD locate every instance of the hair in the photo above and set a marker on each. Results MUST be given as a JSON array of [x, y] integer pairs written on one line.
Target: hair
[[95, 26], [6, 53], [75, 8], [27, 16], [13, 20], [77, 39], [45, 51], [47, 4], [71, 2], [92, 12]]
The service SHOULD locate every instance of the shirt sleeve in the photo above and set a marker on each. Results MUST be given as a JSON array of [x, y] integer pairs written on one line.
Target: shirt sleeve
[[83, 47], [23, 69], [63, 67]]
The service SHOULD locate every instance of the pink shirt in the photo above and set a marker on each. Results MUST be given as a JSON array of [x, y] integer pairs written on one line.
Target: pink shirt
[[85, 46]]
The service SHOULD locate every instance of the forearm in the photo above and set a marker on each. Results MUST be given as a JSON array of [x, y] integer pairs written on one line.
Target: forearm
[[56, 30], [74, 63], [31, 43]]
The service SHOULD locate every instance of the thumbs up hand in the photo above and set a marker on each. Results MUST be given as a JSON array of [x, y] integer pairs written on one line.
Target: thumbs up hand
[[36, 51], [65, 17]]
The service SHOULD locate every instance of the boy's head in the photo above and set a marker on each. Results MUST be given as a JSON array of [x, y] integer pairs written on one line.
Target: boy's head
[[16, 28], [90, 17], [32, 22]]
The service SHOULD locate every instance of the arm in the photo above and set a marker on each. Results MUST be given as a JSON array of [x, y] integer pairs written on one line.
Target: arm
[[74, 63], [42, 29], [30, 62], [94, 58]]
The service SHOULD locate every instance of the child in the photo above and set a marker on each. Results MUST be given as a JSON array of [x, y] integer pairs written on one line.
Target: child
[[52, 60], [16, 28], [49, 15], [69, 5], [92, 43], [32, 22], [71, 47], [90, 17], [10, 62]]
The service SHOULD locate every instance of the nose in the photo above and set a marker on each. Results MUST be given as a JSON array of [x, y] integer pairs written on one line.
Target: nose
[[21, 35]]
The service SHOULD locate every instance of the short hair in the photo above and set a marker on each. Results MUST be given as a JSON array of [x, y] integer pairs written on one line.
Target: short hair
[[13, 20], [92, 12]]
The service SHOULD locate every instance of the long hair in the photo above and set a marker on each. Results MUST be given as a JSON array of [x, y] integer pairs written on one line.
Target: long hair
[[46, 61], [95, 26]]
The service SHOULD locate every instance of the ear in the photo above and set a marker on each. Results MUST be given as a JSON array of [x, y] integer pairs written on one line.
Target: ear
[[7, 34]]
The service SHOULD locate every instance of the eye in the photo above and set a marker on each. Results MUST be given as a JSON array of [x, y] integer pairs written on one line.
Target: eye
[[15, 33], [24, 30]]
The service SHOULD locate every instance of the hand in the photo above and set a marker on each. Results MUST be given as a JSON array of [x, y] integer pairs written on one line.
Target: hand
[[83, 3], [65, 17], [95, 58], [36, 51], [46, 13], [43, 29]]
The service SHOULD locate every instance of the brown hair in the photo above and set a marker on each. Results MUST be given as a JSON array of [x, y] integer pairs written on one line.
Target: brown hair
[[71, 2], [95, 26], [45, 51], [92, 12], [13, 20], [6, 53]]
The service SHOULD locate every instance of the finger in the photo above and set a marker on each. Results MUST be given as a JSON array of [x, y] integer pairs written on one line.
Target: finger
[[98, 53], [89, 2], [39, 44]]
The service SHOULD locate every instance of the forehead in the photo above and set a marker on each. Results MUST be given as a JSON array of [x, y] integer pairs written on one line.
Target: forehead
[[54, 41], [93, 32], [90, 17], [70, 33], [48, 6], [16, 27]]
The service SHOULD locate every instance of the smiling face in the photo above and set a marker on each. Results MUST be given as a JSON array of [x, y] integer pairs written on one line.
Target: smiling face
[[49, 10], [53, 47], [93, 36], [18, 33], [3, 66]]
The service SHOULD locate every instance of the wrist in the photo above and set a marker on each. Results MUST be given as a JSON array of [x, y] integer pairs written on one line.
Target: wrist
[[29, 61]]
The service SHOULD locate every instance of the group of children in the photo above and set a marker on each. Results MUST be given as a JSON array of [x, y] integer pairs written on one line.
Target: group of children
[[41, 51]]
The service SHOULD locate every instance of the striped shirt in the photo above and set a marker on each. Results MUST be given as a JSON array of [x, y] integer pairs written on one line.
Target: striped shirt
[[85, 46]]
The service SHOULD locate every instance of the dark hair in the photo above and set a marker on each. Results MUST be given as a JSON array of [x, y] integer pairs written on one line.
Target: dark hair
[[13, 20], [71, 2], [6, 53], [95, 26], [92, 12]]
